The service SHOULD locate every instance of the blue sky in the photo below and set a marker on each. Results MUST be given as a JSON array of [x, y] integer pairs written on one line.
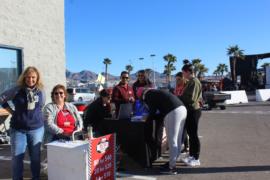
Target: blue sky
[[126, 30]]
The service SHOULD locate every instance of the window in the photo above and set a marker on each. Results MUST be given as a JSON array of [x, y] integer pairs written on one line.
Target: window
[[85, 90], [10, 66], [70, 91]]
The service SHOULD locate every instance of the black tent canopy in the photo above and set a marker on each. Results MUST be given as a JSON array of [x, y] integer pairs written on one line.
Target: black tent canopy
[[247, 68]]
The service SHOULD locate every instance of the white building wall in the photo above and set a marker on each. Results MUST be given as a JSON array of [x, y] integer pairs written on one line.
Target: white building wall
[[36, 26]]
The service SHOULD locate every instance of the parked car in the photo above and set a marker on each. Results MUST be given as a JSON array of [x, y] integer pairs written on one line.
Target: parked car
[[80, 94], [81, 106], [214, 99]]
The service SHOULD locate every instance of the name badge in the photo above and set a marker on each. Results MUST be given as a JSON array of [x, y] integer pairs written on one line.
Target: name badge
[[66, 124]]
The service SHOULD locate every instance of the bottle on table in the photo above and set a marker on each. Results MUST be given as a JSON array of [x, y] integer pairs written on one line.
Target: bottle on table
[[90, 132]]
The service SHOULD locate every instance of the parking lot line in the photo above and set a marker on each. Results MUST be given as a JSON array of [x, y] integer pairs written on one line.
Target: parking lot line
[[119, 175]]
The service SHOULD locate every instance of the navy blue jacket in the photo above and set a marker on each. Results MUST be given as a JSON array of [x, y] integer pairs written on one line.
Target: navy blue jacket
[[22, 117]]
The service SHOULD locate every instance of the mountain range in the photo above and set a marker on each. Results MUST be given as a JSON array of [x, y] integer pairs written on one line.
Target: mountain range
[[88, 76]]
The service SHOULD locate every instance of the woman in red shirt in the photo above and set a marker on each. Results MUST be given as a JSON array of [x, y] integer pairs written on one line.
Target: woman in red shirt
[[61, 118], [178, 91], [180, 84]]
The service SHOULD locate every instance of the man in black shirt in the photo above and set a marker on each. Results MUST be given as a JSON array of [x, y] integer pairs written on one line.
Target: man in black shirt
[[97, 111]]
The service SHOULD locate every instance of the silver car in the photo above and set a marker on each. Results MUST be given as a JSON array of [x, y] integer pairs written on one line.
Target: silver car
[[80, 94]]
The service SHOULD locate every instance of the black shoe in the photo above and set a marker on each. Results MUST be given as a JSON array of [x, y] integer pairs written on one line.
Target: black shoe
[[164, 166], [167, 170], [185, 150]]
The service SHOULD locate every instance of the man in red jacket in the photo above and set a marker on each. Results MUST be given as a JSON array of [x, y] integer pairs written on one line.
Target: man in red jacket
[[122, 93]]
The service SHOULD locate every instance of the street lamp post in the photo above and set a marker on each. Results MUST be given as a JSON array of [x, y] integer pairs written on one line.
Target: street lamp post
[[154, 76], [141, 59]]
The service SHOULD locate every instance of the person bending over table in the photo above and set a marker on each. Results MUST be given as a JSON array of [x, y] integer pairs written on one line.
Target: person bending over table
[[174, 113], [61, 118], [95, 112]]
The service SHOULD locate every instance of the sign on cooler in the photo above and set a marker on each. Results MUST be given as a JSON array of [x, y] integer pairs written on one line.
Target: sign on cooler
[[102, 158]]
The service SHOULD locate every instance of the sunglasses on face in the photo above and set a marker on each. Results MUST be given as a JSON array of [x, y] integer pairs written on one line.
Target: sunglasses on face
[[58, 93], [125, 77]]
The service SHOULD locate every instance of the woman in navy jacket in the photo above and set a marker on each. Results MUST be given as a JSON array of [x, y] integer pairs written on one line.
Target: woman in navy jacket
[[26, 125]]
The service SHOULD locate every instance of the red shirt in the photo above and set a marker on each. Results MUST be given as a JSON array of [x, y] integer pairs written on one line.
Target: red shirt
[[122, 94], [179, 89], [66, 121]]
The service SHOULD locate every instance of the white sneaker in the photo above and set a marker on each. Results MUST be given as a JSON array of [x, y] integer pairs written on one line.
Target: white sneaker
[[193, 162], [181, 157], [186, 159]]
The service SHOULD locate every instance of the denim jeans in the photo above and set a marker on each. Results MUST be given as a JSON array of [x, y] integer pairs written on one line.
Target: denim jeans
[[20, 139]]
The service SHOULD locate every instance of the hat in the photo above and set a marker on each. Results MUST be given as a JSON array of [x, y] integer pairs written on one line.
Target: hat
[[105, 93], [140, 92]]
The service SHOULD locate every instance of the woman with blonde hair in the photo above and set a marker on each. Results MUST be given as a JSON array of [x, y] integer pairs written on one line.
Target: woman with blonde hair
[[61, 118], [26, 124]]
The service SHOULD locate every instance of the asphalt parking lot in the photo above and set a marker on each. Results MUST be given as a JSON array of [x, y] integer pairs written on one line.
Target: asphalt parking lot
[[235, 145]]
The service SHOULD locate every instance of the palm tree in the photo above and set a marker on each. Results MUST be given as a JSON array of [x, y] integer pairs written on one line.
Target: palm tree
[[107, 62], [129, 68], [196, 61], [236, 53], [170, 59], [202, 70], [216, 72], [222, 68], [199, 68], [196, 64], [168, 71]]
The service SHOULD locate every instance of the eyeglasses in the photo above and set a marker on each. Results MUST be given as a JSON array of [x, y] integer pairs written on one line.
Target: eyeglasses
[[125, 77], [58, 93]]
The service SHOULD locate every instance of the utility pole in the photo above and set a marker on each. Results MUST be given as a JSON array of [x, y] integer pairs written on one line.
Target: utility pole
[[154, 76], [141, 59]]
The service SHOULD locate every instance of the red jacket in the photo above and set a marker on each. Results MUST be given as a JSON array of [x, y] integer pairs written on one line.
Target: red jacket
[[121, 95]]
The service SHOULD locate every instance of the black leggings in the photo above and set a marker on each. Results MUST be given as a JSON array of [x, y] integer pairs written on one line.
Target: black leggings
[[185, 138], [192, 124]]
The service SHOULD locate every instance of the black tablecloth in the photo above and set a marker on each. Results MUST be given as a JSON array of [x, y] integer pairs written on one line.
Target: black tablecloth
[[137, 139]]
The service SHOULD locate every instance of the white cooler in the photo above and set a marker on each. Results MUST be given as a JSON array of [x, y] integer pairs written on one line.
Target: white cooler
[[68, 160]]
